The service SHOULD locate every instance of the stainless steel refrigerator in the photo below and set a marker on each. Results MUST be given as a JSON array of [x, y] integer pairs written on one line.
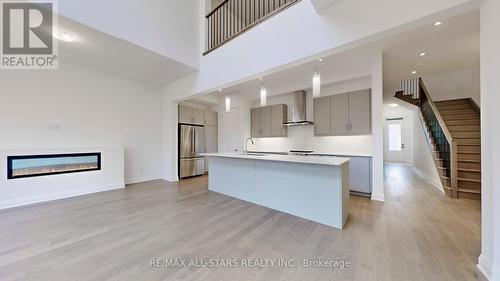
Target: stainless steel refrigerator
[[191, 146]]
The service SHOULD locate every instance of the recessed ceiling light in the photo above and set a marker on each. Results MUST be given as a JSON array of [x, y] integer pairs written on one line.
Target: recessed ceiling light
[[260, 78], [393, 105], [63, 35], [320, 60], [422, 54], [438, 23], [219, 90], [414, 72]]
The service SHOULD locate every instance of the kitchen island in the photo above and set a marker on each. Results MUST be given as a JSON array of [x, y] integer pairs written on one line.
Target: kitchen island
[[311, 187]]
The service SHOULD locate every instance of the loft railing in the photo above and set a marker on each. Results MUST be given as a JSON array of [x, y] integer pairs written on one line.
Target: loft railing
[[444, 144], [233, 17], [410, 87]]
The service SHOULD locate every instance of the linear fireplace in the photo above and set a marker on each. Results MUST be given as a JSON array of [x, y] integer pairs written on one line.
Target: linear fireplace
[[23, 166]]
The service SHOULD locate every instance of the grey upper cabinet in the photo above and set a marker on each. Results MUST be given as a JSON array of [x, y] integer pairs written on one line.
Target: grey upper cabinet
[[210, 118], [360, 112], [256, 130], [339, 115], [343, 114], [190, 115], [322, 120], [266, 115], [279, 116], [268, 121]]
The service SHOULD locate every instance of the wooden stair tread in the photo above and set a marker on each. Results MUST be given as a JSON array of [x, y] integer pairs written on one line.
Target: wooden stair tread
[[454, 101], [469, 180], [470, 161], [469, 170], [469, 190]]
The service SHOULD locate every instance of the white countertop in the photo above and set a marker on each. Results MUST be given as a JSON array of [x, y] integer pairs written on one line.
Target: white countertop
[[326, 153], [316, 160]]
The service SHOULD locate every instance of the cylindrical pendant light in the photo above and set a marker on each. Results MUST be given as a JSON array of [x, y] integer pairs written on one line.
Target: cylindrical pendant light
[[228, 104], [316, 84], [263, 95]]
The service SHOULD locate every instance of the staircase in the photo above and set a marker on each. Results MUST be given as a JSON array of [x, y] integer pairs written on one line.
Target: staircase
[[462, 117], [452, 130]]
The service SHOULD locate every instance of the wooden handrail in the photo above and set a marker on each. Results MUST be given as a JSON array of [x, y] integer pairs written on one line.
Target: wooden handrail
[[440, 120]]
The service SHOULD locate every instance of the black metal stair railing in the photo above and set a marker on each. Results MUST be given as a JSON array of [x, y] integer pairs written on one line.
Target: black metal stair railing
[[233, 17]]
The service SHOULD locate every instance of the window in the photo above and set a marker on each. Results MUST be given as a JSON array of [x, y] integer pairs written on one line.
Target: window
[[394, 137], [42, 165]]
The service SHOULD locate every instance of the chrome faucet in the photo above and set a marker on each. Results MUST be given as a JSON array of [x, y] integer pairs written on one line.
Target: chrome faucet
[[246, 144]]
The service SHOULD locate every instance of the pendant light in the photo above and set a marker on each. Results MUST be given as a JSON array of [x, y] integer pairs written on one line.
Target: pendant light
[[316, 82], [228, 104], [263, 94]]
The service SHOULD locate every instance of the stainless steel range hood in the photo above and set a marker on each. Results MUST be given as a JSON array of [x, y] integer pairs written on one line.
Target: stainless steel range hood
[[299, 117]]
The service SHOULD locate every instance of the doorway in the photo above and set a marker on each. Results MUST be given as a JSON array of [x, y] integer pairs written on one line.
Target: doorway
[[395, 137]]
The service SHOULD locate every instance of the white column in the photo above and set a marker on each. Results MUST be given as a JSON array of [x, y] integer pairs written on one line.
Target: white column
[[378, 128], [169, 138], [489, 261]]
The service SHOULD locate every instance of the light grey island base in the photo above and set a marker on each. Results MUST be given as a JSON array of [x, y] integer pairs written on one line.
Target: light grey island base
[[313, 188]]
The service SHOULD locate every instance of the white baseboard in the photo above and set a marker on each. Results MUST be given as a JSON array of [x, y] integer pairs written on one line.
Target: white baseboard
[[141, 179], [426, 177], [378, 197], [56, 196], [484, 265]]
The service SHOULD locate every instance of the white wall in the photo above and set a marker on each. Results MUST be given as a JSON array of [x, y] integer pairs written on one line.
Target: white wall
[[169, 28], [489, 261], [77, 108], [307, 34], [378, 127], [24, 191], [423, 162], [454, 85]]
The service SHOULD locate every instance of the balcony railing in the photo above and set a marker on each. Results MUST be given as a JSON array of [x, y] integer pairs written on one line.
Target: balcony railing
[[233, 17]]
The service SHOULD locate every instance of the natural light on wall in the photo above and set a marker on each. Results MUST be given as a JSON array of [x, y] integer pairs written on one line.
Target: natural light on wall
[[394, 137]]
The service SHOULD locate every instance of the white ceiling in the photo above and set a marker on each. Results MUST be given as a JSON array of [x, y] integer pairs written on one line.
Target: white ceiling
[[102, 52], [452, 46]]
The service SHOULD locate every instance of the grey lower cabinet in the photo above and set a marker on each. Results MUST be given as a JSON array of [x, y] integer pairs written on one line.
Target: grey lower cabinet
[[360, 169], [268, 121], [343, 114]]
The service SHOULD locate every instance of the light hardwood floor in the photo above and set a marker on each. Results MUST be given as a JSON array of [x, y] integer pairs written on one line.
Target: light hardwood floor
[[417, 234]]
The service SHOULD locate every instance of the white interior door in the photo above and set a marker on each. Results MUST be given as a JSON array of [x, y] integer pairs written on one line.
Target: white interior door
[[229, 132], [394, 141]]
